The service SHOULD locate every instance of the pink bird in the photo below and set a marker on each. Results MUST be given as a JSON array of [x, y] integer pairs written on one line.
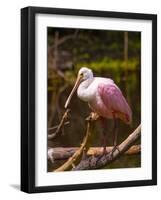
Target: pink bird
[[104, 98]]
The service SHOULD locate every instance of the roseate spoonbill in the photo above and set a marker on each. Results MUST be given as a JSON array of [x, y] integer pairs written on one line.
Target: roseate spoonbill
[[104, 98]]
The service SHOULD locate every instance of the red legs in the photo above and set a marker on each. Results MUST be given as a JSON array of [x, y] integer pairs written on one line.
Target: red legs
[[115, 135], [115, 130], [104, 136], [103, 121]]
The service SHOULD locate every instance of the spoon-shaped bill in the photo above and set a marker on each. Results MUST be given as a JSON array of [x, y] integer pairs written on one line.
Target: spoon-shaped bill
[[78, 81]]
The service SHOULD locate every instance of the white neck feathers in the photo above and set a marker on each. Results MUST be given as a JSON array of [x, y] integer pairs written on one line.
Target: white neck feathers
[[83, 89]]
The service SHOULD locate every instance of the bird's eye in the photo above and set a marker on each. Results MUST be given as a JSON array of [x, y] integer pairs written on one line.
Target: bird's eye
[[81, 74]]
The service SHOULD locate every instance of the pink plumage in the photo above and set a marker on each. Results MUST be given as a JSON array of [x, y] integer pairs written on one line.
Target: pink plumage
[[104, 98], [110, 102]]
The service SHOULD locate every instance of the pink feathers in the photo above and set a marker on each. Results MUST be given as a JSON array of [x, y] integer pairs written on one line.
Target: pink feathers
[[110, 103], [102, 95]]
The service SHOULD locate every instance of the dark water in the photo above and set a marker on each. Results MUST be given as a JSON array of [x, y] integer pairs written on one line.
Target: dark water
[[73, 135]]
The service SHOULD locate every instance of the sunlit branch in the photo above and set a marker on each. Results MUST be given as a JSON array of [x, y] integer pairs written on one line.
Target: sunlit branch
[[60, 126]]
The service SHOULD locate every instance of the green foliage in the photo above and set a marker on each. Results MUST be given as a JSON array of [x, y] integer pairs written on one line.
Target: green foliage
[[104, 52], [106, 65]]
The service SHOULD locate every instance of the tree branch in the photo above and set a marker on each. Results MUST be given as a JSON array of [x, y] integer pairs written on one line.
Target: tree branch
[[75, 158], [62, 153], [60, 126], [67, 37], [93, 162], [55, 127]]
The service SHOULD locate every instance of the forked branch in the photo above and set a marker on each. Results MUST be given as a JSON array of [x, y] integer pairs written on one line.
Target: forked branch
[[63, 153], [92, 162], [76, 157], [60, 126], [79, 162]]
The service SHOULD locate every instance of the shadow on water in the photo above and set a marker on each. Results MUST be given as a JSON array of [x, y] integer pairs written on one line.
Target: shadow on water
[[130, 86]]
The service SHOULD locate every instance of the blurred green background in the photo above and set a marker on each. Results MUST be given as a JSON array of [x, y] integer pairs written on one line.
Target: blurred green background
[[112, 54]]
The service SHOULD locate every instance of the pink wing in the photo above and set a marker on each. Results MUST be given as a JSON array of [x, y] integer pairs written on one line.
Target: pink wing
[[114, 100]]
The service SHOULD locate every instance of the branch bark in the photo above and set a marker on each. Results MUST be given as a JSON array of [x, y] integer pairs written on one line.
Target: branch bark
[[92, 162], [75, 158], [60, 126], [67, 37], [62, 153]]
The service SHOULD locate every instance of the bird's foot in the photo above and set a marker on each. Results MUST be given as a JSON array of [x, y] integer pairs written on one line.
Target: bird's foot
[[84, 155], [98, 157], [104, 151], [112, 152], [93, 116]]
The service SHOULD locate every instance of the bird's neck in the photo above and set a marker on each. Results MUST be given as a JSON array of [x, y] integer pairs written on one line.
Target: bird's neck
[[85, 84], [83, 89]]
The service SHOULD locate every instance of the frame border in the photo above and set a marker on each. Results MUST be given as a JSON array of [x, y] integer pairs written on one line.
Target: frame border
[[28, 98]]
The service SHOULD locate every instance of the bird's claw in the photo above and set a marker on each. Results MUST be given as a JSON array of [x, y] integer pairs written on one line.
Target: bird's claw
[[98, 157], [112, 152], [93, 116]]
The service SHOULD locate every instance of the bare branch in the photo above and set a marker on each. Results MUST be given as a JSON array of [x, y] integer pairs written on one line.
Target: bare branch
[[75, 158], [62, 153], [65, 38], [60, 126], [55, 99], [92, 162], [54, 127]]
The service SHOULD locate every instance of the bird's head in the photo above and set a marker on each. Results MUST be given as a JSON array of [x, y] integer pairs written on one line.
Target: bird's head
[[83, 74]]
